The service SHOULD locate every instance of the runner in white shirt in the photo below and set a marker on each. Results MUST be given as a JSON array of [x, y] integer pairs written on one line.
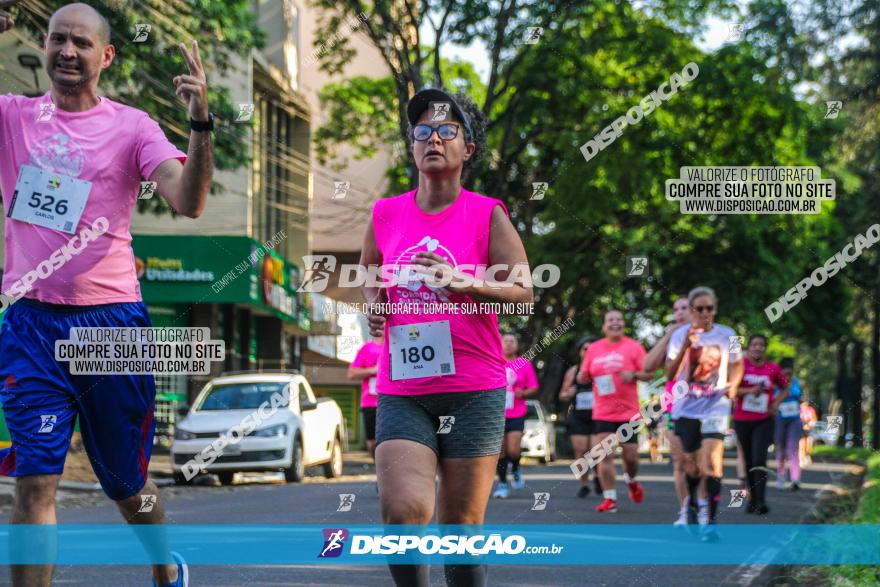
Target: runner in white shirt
[[706, 356]]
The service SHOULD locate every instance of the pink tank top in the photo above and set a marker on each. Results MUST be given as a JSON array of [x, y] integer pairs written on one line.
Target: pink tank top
[[460, 234]]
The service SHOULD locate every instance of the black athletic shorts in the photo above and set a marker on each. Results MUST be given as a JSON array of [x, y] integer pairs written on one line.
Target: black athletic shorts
[[580, 423], [603, 426], [369, 422], [452, 424], [688, 429], [514, 424]]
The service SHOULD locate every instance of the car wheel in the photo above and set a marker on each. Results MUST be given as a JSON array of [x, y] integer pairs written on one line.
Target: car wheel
[[180, 479], [333, 468], [296, 471], [225, 477]]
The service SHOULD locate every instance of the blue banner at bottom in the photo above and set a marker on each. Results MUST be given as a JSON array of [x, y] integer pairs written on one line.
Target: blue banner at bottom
[[489, 544]]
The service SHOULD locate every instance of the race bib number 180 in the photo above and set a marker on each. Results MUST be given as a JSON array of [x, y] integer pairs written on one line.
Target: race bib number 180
[[423, 349], [51, 200]]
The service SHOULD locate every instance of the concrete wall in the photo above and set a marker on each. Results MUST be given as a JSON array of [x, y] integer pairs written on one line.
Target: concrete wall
[[338, 225]]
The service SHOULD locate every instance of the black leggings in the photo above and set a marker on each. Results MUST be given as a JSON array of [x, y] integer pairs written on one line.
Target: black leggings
[[755, 437], [456, 575]]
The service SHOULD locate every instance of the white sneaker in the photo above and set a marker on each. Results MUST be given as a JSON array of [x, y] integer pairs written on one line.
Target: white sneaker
[[703, 515], [518, 482], [502, 491], [780, 483], [682, 517]]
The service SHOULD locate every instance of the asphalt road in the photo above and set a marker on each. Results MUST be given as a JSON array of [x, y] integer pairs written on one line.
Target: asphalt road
[[256, 500]]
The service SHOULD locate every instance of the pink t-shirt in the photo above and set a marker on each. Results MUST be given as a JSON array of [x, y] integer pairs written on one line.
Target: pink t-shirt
[[520, 375], [368, 356], [772, 377], [114, 147], [459, 234], [615, 400]]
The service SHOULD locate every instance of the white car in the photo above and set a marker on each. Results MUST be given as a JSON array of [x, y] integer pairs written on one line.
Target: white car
[[539, 438], [244, 422]]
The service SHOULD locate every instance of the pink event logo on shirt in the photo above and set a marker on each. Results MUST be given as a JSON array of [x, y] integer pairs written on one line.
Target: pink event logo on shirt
[[56, 260]]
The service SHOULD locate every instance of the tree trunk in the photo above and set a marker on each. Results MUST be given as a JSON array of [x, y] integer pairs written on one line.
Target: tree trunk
[[858, 379], [841, 387], [875, 373]]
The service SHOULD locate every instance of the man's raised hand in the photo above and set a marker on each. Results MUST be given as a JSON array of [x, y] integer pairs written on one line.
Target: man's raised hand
[[193, 88]]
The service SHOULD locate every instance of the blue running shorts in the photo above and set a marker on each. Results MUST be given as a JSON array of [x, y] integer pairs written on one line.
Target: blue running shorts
[[41, 399]]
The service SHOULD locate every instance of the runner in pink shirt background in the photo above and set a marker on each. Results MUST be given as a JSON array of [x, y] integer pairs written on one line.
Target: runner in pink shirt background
[[522, 383], [754, 418], [364, 368], [614, 366]]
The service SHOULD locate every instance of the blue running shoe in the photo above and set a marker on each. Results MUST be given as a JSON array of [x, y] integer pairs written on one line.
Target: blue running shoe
[[182, 573]]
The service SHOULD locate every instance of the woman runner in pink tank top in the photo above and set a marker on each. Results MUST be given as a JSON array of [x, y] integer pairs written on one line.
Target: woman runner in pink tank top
[[442, 377]]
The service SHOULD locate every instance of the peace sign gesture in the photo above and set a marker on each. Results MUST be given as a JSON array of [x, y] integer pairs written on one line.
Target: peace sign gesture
[[193, 88]]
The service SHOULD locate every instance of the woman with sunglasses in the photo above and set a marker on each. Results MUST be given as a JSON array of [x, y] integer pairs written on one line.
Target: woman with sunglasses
[[753, 417], [442, 378], [580, 418], [706, 357]]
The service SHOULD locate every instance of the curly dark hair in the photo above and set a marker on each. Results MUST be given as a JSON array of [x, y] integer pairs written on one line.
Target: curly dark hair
[[478, 126]]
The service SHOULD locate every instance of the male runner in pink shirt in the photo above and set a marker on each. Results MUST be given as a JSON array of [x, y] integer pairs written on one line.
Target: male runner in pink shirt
[[614, 366], [71, 163]]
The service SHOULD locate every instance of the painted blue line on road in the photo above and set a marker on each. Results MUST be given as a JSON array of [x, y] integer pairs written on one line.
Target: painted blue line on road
[[532, 544]]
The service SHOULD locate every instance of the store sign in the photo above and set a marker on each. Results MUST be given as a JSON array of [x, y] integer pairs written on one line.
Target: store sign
[[275, 294], [170, 269]]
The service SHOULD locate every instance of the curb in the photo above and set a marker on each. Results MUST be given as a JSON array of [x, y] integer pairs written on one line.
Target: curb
[[70, 485], [764, 573]]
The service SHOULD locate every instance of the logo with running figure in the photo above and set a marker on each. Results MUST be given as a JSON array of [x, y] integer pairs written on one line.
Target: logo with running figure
[[47, 423], [334, 542], [533, 34], [346, 501], [46, 112], [737, 497], [636, 266], [541, 501], [446, 423], [148, 502], [319, 268], [539, 190], [735, 344], [439, 110], [141, 32], [834, 423]]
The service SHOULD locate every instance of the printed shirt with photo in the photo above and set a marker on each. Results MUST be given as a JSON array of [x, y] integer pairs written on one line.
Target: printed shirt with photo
[[707, 402]]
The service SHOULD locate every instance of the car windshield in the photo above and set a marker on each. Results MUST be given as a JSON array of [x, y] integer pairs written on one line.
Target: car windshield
[[531, 412], [242, 396]]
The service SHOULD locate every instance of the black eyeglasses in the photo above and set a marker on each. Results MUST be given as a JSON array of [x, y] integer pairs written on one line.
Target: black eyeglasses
[[702, 309], [447, 132]]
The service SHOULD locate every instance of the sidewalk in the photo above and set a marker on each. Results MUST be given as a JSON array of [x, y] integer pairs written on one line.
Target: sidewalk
[[353, 463]]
